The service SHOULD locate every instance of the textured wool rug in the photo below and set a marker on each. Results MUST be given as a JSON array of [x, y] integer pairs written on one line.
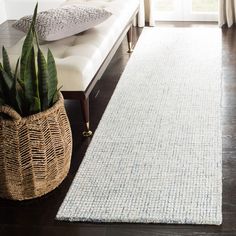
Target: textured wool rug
[[156, 155]]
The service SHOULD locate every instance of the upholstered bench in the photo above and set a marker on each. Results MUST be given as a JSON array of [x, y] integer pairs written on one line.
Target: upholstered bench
[[81, 59]]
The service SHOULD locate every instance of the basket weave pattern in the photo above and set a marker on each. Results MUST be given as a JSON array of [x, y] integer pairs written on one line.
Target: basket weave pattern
[[35, 152]]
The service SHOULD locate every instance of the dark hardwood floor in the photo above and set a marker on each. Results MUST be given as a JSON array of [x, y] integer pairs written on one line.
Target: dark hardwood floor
[[36, 217]]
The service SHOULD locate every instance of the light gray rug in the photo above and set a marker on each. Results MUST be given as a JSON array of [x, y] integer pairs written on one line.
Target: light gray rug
[[156, 155]]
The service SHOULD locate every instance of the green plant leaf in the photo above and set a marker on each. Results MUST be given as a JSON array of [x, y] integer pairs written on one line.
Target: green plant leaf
[[2, 97], [25, 54], [35, 106], [21, 83], [52, 80], [2, 102], [7, 79], [35, 82], [8, 90], [31, 84], [56, 95], [6, 83], [16, 96], [42, 80], [18, 92], [16, 69], [27, 45], [32, 25], [6, 62]]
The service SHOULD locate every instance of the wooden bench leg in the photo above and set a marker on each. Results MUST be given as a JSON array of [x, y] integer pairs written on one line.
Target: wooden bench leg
[[130, 39], [85, 112]]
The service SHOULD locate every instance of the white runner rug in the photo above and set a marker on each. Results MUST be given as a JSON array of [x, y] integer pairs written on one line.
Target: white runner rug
[[156, 156]]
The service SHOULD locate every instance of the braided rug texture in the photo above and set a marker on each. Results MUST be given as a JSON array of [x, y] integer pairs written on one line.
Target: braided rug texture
[[156, 156]]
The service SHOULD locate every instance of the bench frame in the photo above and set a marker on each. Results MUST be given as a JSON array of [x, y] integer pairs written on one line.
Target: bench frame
[[83, 96]]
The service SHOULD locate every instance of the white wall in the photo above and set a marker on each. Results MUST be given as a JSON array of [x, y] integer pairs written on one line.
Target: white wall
[[3, 14], [18, 8]]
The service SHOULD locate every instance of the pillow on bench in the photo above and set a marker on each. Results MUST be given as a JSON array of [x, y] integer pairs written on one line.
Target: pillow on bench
[[63, 22]]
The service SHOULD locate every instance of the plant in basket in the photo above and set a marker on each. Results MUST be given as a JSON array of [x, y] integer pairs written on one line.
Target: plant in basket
[[35, 135]]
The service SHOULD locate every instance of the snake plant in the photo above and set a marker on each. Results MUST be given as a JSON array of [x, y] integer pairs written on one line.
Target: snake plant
[[32, 86]]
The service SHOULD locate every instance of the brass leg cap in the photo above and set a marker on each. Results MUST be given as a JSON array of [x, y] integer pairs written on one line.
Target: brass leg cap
[[87, 133], [131, 49]]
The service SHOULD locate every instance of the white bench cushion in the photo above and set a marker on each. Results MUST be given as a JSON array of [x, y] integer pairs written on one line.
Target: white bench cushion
[[78, 58]]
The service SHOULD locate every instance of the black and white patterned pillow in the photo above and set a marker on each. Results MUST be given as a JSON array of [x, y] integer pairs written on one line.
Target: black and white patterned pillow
[[63, 22]]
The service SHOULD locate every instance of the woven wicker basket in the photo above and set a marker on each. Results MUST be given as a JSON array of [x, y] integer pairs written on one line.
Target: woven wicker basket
[[35, 152]]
